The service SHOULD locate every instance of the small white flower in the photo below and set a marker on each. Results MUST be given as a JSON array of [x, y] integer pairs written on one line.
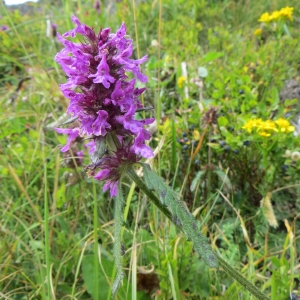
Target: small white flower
[[154, 43], [287, 153], [295, 156]]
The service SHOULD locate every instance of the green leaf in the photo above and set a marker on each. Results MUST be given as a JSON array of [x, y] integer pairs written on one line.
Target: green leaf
[[276, 262], [222, 121], [210, 56], [88, 276], [224, 178], [181, 216], [61, 196], [214, 145], [195, 181]]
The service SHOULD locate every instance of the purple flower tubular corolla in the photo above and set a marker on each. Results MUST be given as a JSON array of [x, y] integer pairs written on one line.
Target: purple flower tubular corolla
[[110, 165], [101, 96]]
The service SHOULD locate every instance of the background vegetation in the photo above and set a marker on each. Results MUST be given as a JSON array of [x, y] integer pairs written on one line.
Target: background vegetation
[[242, 187]]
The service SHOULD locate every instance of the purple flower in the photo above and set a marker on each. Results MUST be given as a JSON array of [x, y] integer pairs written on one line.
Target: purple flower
[[103, 99], [79, 155], [100, 125], [4, 28], [97, 6], [139, 146], [102, 74], [111, 165], [54, 29], [73, 134]]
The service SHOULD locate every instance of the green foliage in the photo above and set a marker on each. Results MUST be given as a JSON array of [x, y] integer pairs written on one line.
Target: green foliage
[[104, 279]]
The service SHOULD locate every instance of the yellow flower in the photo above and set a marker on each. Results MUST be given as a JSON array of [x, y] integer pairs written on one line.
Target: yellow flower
[[265, 18], [180, 81], [264, 128], [283, 14], [264, 134], [258, 31], [267, 125], [287, 13], [275, 15], [284, 125], [251, 124], [248, 126]]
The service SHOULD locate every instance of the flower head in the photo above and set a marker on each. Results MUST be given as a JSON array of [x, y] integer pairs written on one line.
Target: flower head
[[266, 128], [102, 98], [283, 14], [287, 13], [295, 155], [284, 125], [252, 124], [180, 81], [265, 18]]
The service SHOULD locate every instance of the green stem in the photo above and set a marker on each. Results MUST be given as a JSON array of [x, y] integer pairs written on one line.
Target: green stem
[[119, 205], [272, 68], [226, 267], [46, 222], [95, 243]]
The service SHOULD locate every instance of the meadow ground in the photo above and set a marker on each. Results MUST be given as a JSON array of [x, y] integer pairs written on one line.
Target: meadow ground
[[224, 84]]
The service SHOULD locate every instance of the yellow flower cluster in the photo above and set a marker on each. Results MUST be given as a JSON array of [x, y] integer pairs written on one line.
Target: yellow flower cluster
[[284, 125], [266, 128], [180, 81], [283, 14]]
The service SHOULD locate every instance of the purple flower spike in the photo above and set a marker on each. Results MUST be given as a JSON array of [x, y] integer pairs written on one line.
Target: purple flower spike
[[103, 100], [102, 75]]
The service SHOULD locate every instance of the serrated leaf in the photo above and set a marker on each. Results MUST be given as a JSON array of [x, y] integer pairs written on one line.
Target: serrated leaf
[[181, 216]]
